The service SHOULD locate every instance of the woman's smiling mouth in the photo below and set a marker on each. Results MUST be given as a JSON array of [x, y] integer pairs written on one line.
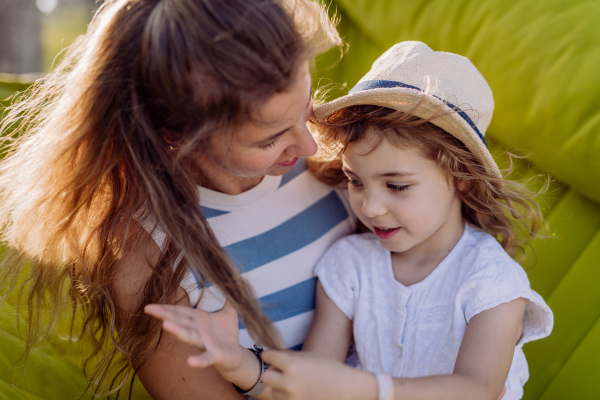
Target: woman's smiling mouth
[[289, 162]]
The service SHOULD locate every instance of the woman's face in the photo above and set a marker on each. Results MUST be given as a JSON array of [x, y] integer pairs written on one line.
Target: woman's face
[[271, 146]]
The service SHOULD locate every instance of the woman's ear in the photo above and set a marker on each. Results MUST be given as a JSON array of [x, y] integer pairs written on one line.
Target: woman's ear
[[170, 138]]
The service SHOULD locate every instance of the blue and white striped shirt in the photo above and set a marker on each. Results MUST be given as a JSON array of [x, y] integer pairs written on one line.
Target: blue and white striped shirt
[[275, 233]]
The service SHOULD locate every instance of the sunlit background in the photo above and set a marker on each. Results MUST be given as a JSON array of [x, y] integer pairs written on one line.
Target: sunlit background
[[34, 32]]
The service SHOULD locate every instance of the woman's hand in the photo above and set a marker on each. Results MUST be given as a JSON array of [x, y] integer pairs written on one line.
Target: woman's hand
[[216, 334], [306, 375]]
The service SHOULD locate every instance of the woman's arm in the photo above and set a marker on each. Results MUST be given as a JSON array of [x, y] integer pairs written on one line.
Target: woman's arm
[[166, 375], [480, 371], [217, 335], [331, 330]]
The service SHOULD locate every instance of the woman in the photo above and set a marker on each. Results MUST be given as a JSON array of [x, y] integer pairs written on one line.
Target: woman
[[164, 106]]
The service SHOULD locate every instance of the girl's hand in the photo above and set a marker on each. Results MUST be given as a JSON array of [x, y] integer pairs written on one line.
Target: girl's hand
[[215, 334], [305, 375]]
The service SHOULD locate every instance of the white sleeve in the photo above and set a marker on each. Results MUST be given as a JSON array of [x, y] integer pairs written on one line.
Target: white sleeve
[[338, 275], [499, 282]]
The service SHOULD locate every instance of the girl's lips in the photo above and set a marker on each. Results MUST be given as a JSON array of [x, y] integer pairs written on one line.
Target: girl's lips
[[289, 162], [385, 234]]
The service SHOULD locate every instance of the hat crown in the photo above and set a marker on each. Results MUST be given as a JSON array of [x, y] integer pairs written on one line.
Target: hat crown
[[450, 77]]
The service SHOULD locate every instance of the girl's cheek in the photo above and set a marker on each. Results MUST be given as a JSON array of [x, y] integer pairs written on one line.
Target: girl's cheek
[[355, 201]]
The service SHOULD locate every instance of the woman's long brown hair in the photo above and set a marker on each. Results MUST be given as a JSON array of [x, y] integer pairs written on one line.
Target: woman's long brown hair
[[500, 207], [86, 160]]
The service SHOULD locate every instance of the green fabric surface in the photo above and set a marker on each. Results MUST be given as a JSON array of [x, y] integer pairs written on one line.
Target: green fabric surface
[[574, 302], [574, 221], [575, 379], [8, 391], [50, 372], [53, 370], [540, 57]]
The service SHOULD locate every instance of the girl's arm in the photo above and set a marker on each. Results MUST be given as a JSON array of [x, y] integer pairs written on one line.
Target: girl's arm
[[481, 368], [331, 330]]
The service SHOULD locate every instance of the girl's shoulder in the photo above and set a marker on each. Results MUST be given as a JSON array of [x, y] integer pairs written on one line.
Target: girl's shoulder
[[492, 277], [358, 244], [484, 253], [353, 253]]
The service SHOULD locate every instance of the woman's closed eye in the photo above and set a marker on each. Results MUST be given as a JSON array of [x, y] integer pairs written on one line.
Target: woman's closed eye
[[270, 144]]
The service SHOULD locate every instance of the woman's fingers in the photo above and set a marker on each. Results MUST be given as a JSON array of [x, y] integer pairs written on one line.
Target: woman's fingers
[[184, 333], [216, 334], [183, 322], [184, 316], [156, 310], [164, 311], [203, 360]]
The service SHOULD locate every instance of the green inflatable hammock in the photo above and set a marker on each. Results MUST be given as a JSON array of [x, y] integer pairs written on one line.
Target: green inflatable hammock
[[541, 58]]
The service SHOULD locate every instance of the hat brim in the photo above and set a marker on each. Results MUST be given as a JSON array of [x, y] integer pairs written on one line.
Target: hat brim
[[422, 105]]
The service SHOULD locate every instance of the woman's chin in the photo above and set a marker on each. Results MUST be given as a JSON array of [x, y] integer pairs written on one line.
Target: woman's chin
[[279, 169]]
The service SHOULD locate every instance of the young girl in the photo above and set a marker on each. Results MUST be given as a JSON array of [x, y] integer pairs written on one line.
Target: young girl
[[431, 294]]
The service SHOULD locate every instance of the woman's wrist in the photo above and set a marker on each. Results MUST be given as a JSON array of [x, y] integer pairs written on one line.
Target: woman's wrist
[[246, 375]]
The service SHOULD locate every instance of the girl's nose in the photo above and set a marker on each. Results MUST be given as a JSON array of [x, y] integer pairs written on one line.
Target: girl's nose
[[372, 207]]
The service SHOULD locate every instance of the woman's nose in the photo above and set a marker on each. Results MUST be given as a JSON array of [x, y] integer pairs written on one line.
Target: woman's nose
[[305, 144], [372, 207]]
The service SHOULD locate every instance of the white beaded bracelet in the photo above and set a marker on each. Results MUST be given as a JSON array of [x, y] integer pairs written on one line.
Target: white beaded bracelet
[[385, 387]]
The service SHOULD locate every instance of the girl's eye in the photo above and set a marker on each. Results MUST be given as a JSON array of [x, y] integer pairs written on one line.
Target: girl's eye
[[354, 182], [271, 144], [397, 188]]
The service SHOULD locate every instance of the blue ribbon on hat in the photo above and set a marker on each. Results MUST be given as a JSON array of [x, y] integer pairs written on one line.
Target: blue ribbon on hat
[[384, 84]]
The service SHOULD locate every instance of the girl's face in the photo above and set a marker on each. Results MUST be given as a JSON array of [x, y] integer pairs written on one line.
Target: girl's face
[[268, 147], [403, 197]]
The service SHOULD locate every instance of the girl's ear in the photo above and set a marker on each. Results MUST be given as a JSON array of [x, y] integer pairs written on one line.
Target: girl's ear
[[461, 185]]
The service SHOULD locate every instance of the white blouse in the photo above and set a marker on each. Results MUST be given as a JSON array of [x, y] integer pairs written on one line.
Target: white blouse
[[416, 330]]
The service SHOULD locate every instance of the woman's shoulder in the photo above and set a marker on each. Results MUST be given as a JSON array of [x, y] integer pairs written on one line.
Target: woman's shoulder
[[133, 269]]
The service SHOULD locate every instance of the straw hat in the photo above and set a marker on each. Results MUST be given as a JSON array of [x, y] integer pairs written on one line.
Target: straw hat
[[445, 86]]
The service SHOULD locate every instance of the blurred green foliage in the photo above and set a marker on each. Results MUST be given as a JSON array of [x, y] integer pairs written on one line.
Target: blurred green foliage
[[60, 29]]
